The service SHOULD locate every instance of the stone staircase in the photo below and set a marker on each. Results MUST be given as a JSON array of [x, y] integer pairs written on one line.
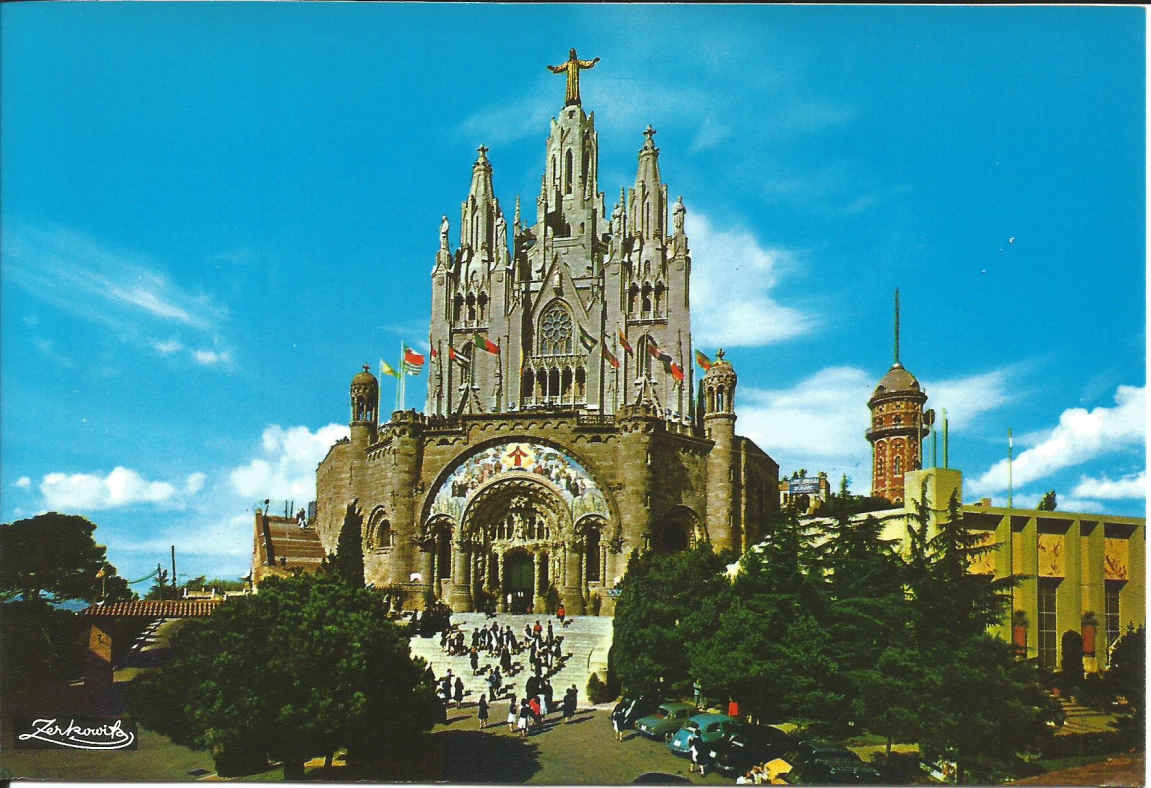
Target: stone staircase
[[1082, 719], [585, 644]]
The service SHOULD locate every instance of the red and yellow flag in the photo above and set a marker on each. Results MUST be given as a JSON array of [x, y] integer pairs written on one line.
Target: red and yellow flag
[[625, 344]]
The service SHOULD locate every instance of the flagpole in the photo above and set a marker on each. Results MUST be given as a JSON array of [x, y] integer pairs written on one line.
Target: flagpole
[[403, 375]]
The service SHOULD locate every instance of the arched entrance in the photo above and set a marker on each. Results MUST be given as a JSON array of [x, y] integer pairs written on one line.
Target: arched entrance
[[675, 531], [518, 586]]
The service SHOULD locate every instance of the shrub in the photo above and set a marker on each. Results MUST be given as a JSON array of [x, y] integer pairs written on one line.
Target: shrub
[[597, 691]]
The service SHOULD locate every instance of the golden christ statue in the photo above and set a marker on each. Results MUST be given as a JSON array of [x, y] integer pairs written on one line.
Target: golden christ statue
[[572, 67]]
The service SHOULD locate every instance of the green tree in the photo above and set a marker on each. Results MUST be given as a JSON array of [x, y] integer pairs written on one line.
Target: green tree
[[307, 666], [665, 602], [348, 562], [1047, 502], [1126, 677], [979, 706], [51, 556]]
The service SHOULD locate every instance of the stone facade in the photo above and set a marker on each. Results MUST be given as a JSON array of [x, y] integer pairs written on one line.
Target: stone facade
[[563, 429]]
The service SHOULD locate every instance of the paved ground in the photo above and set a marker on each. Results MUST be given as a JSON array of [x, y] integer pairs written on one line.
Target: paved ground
[[1117, 770]]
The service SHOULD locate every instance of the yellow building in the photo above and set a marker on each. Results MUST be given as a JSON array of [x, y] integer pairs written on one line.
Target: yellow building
[[1080, 572]]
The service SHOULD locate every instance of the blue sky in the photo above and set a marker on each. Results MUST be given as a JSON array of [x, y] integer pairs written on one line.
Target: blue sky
[[213, 214]]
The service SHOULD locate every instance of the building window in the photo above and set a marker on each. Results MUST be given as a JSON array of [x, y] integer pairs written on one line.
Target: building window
[[1048, 631], [593, 567], [897, 465], [897, 420], [556, 331], [568, 173], [1112, 615]]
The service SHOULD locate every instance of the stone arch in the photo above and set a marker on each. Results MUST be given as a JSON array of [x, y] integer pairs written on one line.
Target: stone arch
[[515, 508], [378, 534], [428, 514], [592, 537], [678, 529]]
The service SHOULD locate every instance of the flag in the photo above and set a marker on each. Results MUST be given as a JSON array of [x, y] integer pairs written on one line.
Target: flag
[[483, 343], [676, 371], [586, 339], [609, 357], [702, 360], [386, 369], [458, 357], [413, 358], [434, 354], [624, 343], [655, 352]]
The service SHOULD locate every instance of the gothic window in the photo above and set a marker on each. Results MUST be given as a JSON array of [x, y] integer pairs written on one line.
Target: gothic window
[[556, 330], [583, 168], [897, 465], [553, 382], [632, 298], [568, 172], [471, 308], [541, 383], [457, 307], [647, 300], [719, 400], [444, 553], [567, 383], [482, 303], [581, 384], [529, 379], [659, 294], [555, 172]]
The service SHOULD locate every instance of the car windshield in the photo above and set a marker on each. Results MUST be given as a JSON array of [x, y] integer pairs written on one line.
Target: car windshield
[[692, 726], [660, 713]]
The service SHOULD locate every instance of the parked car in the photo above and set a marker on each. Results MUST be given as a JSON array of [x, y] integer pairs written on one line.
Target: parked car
[[635, 708], [837, 772], [810, 750], [665, 720], [712, 728], [748, 745]]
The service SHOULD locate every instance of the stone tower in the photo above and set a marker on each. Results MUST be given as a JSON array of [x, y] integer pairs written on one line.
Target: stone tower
[[898, 426], [543, 325], [719, 426]]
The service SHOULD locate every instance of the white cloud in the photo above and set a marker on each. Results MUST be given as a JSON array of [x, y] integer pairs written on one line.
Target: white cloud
[[23, 483], [47, 349], [209, 358], [223, 536], [1080, 435], [86, 491], [194, 483], [168, 347], [711, 133], [816, 424], [969, 397], [287, 467], [124, 291], [732, 276], [1131, 486]]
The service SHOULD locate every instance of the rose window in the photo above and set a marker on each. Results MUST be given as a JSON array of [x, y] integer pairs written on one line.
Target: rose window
[[556, 331]]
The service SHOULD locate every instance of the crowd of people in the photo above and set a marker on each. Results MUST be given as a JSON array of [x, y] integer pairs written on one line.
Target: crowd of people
[[490, 649]]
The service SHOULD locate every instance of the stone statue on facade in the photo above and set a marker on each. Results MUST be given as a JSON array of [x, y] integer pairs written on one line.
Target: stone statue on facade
[[445, 225], [572, 68], [677, 214], [501, 234]]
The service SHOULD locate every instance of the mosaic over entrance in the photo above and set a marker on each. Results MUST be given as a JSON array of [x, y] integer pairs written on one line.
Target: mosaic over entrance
[[529, 459]]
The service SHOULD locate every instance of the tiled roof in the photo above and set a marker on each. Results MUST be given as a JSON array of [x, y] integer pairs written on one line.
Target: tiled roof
[[154, 608]]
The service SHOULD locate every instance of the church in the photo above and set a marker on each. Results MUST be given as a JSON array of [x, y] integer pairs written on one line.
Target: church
[[565, 426]]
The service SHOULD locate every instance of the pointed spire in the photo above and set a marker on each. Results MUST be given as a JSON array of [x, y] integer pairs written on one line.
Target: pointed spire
[[516, 222], [897, 364]]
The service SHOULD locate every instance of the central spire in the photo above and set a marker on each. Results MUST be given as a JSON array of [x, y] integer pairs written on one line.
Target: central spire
[[897, 364], [572, 68]]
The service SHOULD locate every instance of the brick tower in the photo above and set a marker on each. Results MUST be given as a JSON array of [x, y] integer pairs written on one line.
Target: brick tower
[[898, 426]]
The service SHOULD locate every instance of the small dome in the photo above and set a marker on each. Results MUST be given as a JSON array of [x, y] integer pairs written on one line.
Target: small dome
[[365, 377], [897, 379]]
